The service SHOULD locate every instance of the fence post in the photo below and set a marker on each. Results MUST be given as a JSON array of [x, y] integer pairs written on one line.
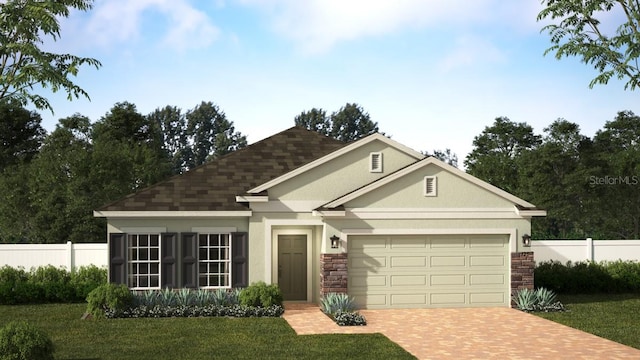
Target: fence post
[[590, 256], [69, 255]]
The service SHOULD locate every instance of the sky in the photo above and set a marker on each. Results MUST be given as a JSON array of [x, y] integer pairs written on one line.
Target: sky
[[432, 73]]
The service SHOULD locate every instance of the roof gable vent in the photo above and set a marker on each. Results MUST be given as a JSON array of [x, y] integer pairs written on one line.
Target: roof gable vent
[[430, 186], [375, 162]]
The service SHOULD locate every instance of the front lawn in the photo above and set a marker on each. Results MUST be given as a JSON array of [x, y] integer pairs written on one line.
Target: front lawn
[[612, 316], [191, 338]]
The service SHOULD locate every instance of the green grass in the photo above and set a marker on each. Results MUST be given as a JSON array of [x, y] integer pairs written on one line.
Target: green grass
[[611, 316], [191, 338]]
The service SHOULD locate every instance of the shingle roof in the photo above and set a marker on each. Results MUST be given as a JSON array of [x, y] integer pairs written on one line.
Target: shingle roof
[[214, 185]]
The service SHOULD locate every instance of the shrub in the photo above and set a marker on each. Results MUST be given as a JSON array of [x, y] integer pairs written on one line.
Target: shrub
[[540, 299], [11, 282], [109, 297], [344, 318], [22, 341], [331, 303], [52, 283], [589, 277], [261, 295], [86, 278]]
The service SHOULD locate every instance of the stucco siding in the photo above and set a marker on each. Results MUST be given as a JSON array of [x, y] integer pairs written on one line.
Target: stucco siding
[[341, 175], [408, 192]]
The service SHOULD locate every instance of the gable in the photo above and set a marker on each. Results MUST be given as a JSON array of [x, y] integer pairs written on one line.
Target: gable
[[215, 185], [342, 174], [406, 189]]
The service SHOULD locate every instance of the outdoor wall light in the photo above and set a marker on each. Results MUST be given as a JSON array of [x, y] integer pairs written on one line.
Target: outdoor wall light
[[335, 242], [526, 240]]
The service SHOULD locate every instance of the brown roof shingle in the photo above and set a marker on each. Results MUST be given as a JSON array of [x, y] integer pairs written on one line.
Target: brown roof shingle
[[213, 186]]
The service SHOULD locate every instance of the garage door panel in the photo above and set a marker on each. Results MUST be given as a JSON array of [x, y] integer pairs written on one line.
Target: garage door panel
[[408, 261], [450, 261], [448, 280], [429, 270], [487, 279], [498, 260], [408, 280], [488, 298], [408, 299], [367, 262]]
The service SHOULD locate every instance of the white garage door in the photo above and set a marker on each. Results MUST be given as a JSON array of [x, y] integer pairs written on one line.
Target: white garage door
[[417, 271]]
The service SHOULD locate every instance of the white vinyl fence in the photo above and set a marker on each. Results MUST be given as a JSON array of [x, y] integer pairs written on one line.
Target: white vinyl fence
[[583, 250], [75, 255], [67, 255]]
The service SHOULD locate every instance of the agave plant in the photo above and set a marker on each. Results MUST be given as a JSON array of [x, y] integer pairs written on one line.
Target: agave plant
[[545, 297], [167, 297], [331, 303], [525, 299], [185, 297]]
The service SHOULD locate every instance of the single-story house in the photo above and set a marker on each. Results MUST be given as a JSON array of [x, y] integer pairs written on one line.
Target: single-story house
[[372, 218]]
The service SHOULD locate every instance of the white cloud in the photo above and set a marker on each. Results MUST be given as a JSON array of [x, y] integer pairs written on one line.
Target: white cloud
[[317, 25], [115, 21]]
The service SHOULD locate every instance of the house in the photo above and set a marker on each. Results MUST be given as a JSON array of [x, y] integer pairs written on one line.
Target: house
[[372, 218]]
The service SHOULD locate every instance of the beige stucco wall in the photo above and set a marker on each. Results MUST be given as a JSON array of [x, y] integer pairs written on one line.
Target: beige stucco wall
[[452, 192], [341, 175]]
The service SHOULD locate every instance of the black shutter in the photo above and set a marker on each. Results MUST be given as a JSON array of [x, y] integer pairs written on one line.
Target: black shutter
[[118, 258], [239, 259], [169, 262], [189, 246]]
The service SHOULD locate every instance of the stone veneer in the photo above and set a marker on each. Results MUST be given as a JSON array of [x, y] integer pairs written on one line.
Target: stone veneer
[[333, 273], [522, 266]]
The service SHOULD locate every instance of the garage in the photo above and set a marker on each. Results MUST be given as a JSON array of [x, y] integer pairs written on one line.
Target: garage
[[422, 271]]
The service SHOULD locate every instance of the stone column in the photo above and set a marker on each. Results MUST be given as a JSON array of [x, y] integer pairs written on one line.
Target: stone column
[[333, 273]]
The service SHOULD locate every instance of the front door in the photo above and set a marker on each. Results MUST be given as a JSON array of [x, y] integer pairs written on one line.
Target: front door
[[292, 266]]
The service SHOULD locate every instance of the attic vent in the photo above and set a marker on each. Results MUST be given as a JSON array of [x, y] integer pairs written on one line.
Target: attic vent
[[430, 186], [375, 162]]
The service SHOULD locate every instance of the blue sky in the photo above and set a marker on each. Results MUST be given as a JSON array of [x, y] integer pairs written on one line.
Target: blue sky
[[432, 73]]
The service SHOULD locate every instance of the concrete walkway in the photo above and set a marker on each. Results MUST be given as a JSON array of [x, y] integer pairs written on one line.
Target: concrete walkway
[[480, 333]]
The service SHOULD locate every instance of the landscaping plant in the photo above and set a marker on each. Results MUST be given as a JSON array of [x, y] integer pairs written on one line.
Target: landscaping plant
[[341, 308], [109, 297], [22, 341], [540, 300], [587, 277], [260, 294]]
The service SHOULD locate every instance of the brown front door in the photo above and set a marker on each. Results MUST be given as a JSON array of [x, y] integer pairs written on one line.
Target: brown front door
[[292, 266]]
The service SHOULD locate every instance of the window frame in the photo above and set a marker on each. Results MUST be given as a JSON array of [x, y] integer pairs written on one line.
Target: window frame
[[135, 264], [225, 268]]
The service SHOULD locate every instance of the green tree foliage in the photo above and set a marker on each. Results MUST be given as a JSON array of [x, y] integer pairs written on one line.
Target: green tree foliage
[[129, 152], [24, 24], [553, 176], [348, 124], [446, 156], [211, 134], [496, 150], [20, 133], [172, 124], [580, 29], [616, 175]]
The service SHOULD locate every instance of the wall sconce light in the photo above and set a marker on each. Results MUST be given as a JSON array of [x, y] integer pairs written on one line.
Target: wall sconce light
[[526, 240], [335, 242]]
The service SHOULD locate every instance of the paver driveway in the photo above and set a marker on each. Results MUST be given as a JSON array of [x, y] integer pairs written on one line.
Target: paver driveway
[[480, 333]]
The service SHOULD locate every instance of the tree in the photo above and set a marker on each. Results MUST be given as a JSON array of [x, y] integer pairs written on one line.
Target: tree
[[211, 134], [172, 124], [495, 152], [552, 176], [446, 156], [615, 176], [348, 124], [23, 65], [21, 134], [581, 32]]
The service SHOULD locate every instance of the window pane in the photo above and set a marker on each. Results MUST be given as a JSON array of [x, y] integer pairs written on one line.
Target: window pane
[[154, 240], [133, 241], [155, 254], [155, 281], [224, 254], [225, 240], [202, 240], [202, 280], [143, 240], [154, 268], [143, 281], [214, 240], [203, 254], [213, 254], [133, 254], [143, 254], [203, 267], [144, 268]]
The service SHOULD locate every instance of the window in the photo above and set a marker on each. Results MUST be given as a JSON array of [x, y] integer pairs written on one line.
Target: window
[[144, 261], [430, 186], [375, 162], [214, 261]]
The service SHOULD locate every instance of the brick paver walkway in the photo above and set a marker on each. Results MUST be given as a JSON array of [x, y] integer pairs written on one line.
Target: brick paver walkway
[[480, 333]]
